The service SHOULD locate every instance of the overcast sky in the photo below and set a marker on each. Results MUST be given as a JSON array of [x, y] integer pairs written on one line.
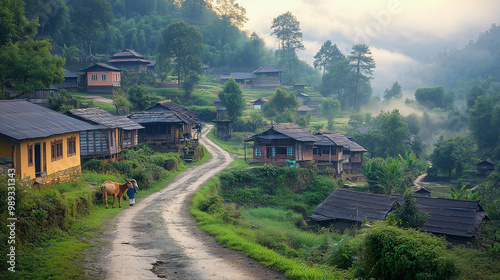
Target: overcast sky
[[400, 33]]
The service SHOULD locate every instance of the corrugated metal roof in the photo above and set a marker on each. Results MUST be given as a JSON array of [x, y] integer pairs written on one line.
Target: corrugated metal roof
[[451, 216], [20, 120], [354, 206], [99, 116], [155, 117], [446, 216], [293, 131], [338, 139], [268, 69]]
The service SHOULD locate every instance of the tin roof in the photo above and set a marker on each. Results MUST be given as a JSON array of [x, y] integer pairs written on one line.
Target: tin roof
[[21, 120], [99, 116], [293, 131], [354, 206], [168, 105], [446, 216]]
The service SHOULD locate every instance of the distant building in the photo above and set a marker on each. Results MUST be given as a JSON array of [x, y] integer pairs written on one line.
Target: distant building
[[101, 78], [70, 81], [264, 76], [336, 149], [257, 104], [485, 167]]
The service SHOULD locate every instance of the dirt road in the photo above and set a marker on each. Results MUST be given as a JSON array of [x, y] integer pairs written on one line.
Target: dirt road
[[158, 238]]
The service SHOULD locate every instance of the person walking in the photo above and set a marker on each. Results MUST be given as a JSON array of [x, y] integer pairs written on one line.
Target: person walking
[[131, 194]]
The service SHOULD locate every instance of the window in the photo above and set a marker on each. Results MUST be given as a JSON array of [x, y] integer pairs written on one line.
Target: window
[[93, 77], [258, 152], [104, 77], [289, 151], [71, 146], [56, 150], [30, 155]]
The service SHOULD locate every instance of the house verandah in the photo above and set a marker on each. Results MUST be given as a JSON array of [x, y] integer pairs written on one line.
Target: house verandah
[[282, 143]]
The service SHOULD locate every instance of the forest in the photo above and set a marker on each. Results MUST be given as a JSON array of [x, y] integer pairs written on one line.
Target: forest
[[443, 129]]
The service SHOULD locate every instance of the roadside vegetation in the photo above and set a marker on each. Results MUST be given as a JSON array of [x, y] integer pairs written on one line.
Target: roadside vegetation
[[56, 222]]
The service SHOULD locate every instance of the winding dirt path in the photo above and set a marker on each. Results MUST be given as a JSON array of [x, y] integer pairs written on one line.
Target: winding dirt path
[[158, 238]]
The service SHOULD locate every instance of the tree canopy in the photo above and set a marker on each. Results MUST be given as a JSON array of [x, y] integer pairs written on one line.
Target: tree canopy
[[363, 64], [281, 106]]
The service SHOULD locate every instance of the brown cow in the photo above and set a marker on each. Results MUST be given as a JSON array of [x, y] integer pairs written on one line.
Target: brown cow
[[116, 190]]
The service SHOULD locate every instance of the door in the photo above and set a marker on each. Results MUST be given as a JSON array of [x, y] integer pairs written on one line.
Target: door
[[38, 160]]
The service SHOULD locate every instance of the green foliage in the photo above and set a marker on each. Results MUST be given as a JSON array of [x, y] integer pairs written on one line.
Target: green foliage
[[330, 109], [484, 124], [61, 102], [362, 64], [408, 215], [457, 154], [231, 96], [386, 252], [280, 105], [394, 92], [386, 175]]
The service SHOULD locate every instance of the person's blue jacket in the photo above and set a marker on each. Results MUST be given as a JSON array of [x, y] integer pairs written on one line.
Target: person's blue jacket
[[131, 192]]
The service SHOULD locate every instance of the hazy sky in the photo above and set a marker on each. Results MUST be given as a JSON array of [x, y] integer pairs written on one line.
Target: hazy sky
[[400, 33]]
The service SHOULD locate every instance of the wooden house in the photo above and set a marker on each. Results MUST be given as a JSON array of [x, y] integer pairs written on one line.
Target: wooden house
[[485, 167], [339, 151], [257, 104], [267, 76], [101, 78], [304, 110], [119, 133], [42, 145], [458, 220], [422, 190], [302, 97], [242, 78], [189, 118], [132, 61], [280, 143], [70, 82]]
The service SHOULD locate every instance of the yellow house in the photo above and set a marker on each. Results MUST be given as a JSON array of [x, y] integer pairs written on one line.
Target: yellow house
[[101, 78], [41, 145]]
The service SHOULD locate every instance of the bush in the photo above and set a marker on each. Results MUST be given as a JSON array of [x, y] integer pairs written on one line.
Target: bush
[[205, 113], [387, 252], [95, 165]]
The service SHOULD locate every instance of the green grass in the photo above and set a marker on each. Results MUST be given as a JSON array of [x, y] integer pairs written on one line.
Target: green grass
[[439, 189], [233, 146]]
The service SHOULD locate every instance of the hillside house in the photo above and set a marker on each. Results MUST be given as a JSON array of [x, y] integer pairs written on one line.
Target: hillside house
[[267, 76], [41, 95], [189, 118], [257, 104], [280, 143], [101, 78], [242, 78], [339, 151], [458, 220], [42, 145], [132, 61], [112, 135]]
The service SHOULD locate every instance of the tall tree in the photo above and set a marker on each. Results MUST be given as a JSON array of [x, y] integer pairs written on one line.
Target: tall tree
[[330, 109], [25, 64], [336, 79], [232, 97], [193, 9], [327, 55], [363, 64], [286, 28], [231, 14], [280, 105], [394, 132], [89, 18], [181, 45], [139, 97], [52, 15], [394, 92]]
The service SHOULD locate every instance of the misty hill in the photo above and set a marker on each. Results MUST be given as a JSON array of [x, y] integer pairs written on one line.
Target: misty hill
[[459, 70]]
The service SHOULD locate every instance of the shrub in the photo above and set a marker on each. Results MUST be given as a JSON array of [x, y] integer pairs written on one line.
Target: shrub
[[95, 165], [387, 252]]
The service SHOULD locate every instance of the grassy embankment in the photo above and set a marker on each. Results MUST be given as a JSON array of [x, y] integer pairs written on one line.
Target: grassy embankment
[[57, 222]]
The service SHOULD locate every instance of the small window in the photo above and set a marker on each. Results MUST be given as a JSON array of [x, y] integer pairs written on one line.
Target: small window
[[258, 152], [104, 77], [93, 77], [71, 146], [56, 150], [30, 155], [289, 151]]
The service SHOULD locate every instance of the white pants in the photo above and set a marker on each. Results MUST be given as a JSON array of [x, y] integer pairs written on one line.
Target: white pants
[[132, 201]]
